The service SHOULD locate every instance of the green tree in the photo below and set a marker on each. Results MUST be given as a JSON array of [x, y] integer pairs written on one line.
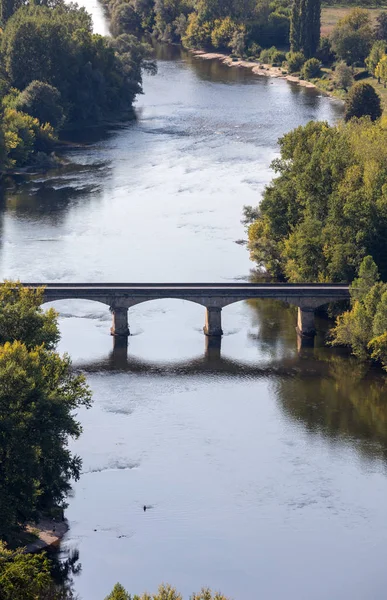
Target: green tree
[[118, 593], [42, 101], [381, 70], [22, 318], [362, 101], [124, 19], [38, 396], [378, 50], [24, 576], [352, 37], [305, 25], [328, 201], [343, 76], [295, 61], [165, 592], [311, 68], [380, 30]]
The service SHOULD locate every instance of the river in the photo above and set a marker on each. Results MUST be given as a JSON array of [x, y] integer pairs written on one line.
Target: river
[[264, 466]]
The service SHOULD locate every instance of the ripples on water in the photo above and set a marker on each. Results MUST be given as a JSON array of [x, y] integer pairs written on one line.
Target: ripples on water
[[264, 466]]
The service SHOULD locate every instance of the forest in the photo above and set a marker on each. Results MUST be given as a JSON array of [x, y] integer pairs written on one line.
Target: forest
[[56, 73]]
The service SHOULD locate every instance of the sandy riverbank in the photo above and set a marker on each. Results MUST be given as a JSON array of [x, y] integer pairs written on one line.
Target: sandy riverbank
[[49, 534], [258, 68]]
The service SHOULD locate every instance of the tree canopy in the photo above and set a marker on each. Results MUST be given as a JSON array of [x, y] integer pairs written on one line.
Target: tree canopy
[[362, 101], [327, 208]]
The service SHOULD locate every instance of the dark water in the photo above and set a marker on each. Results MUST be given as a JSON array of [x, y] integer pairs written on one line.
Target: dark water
[[265, 466]]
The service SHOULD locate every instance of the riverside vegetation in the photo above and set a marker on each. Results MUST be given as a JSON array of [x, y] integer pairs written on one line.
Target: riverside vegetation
[[281, 33], [324, 218], [55, 72]]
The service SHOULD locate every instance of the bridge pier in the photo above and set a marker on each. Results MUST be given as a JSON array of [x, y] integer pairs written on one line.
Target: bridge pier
[[305, 322], [213, 323], [120, 324]]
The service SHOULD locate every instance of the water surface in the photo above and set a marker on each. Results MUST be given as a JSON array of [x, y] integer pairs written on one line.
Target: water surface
[[265, 466]]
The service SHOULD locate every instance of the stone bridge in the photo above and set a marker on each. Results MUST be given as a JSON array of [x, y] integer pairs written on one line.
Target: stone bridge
[[213, 296]]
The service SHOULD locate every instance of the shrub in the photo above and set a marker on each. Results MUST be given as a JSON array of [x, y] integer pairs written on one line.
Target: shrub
[[311, 68], [343, 77], [295, 61], [254, 50], [267, 54], [278, 58], [42, 101], [362, 101]]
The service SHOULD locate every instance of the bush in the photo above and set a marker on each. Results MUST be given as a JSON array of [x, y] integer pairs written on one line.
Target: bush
[[343, 77], [267, 54], [278, 58], [42, 101], [254, 50], [362, 101], [295, 61], [311, 68]]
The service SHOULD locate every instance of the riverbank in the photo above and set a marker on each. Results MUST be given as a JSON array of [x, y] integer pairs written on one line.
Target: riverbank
[[49, 534], [261, 69]]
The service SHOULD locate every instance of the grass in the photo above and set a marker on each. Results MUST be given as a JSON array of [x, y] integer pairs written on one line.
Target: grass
[[331, 14]]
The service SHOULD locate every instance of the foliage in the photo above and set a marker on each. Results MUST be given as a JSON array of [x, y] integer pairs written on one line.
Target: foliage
[[380, 31], [343, 77], [295, 61], [222, 33], [23, 576], [22, 318], [362, 101], [42, 101], [57, 46], [327, 207], [352, 37], [124, 19], [381, 70], [305, 27], [364, 327], [24, 137], [378, 50], [311, 68], [165, 592], [38, 395], [197, 35], [324, 52]]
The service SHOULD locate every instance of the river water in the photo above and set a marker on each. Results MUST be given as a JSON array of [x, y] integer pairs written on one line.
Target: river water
[[264, 465]]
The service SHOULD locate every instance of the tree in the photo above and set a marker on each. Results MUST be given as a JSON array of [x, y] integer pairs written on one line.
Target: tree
[[165, 592], [362, 101], [124, 19], [381, 70], [311, 68], [38, 396], [23, 576], [22, 318], [325, 52], [352, 37], [42, 101], [305, 27], [378, 50], [118, 593], [343, 77], [380, 30], [295, 61], [326, 208], [364, 327]]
